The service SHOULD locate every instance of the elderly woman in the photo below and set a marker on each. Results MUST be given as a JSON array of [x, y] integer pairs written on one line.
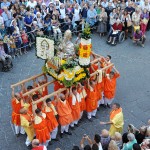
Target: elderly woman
[[118, 139], [102, 24], [113, 145], [140, 136], [132, 140], [91, 16], [105, 139], [114, 34]]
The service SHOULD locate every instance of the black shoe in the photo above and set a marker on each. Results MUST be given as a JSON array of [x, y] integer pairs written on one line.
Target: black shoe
[[77, 125], [30, 146], [95, 117], [57, 139], [72, 128], [90, 120], [98, 109], [49, 143], [108, 106], [68, 133], [61, 135]]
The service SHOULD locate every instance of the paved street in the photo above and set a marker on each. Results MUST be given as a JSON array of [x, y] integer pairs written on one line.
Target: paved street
[[133, 91]]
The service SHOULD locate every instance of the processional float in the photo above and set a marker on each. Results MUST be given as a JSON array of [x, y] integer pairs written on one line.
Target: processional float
[[64, 62]]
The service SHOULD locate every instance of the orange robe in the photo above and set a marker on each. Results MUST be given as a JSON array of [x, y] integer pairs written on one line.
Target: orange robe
[[75, 109], [104, 64], [110, 86], [16, 106], [95, 67], [91, 100], [50, 118], [98, 91], [57, 86], [64, 112], [82, 103], [41, 130]]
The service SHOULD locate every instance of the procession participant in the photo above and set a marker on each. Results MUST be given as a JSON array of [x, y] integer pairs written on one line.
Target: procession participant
[[57, 85], [40, 126], [64, 113], [110, 86], [16, 106], [36, 145], [105, 62], [26, 118], [116, 120], [44, 90], [74, 100], [52, 123], [91, 100], [83, 94], [99, 89]]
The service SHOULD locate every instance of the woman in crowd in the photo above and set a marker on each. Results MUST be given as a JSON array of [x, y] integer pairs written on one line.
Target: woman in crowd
[[102, 24]]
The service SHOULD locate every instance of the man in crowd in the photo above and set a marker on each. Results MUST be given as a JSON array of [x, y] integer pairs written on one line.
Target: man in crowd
[[36, 145], [116, 120]]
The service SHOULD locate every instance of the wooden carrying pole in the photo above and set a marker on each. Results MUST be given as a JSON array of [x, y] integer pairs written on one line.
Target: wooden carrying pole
[[37, 88], [26, 80], [63, 89]]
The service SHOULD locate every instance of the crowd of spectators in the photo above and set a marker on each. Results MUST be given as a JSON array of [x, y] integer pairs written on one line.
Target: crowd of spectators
[[133, 139], [22, 20]]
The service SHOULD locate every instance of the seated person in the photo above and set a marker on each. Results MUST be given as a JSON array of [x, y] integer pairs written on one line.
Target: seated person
[[67, 24], [5, 58], [116, 29], [139, 38]]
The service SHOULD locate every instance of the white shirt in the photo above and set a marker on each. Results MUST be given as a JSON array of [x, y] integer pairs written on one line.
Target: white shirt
[[1, 21], [76, 14], [62, 13], [104, 4], [31, 5]]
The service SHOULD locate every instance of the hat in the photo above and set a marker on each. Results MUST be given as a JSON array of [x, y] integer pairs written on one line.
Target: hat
[[38, 13], [35, 22]]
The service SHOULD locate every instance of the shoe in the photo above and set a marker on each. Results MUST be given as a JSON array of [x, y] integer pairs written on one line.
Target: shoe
[[77, 125], [95, 117], [142, 45], [72, 128], [50, 143], [57, 139], [98, 109], [61, 135], [30, 146], [90, 120], [68, 133], [109, 106]]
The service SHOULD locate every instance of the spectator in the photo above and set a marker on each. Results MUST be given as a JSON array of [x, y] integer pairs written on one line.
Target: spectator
[[4, 4], [136, 147], [31, 3], [113, 145], [118, 139], [140, 136], [24, 40], [7, 19], [148, 133], [132, 140], [105, 139], [145, 144], [139, 38], [36, 145]]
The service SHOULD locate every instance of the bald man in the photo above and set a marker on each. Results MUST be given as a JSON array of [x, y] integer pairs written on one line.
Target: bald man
[[16, 106], [36, 145]]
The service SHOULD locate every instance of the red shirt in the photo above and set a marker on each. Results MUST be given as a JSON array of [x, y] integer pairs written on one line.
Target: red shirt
[[117, 27], [24, 38]]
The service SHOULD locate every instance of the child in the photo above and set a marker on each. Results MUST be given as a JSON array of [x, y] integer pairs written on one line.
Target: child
[[17, 41], [24, 41], [12, 47], [6, 44]]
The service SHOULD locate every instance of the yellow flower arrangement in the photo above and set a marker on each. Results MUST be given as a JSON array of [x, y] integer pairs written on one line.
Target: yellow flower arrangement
[[79, 77]]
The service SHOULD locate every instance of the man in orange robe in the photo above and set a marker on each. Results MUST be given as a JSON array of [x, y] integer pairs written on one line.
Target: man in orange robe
[[52, 123], [57, 85], [91, 100], [105, 62], [74, 100], [64, 113], [82, 92], [40, 126], [110, 86], [16, 106]]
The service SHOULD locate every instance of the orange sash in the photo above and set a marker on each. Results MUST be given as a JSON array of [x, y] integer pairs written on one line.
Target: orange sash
[[113, 113]]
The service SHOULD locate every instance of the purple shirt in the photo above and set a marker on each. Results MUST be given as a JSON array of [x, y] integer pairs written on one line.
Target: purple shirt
[[137, 36]]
